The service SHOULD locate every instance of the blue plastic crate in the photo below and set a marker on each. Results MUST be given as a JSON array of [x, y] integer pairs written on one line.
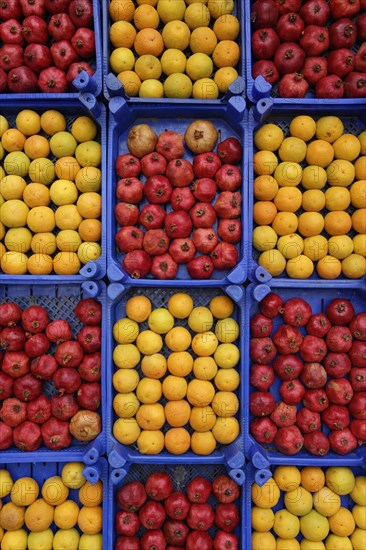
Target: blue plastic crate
[[260, 476], [267, 111], [42, 469], [262, 455], [113, 87], [60, 300], [83, 82], [259, 88], [85, 105], [181, 475], [228, 119], [118, 295]]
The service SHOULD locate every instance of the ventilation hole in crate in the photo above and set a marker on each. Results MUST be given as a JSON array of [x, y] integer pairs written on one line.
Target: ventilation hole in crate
[[91, 474], [262, 476], [117, 474], [263, 103], [91, 457]]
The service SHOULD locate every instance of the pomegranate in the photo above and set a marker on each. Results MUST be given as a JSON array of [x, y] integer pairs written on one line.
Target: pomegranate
[[127, 166], [199, 539], [342, 34], [358, 379], [230, 151], [85, 425], [126, 213], [314, 40], [127, 523], [205, 239], [37, 57], [337, 364], [341, 62], [224, 256], [13, 412], [157, 189], [317, 443], [360, 61], [89, 338], [313, 375], [63, 54], [288, 367], [357, 354], [340, 311], [170, 144], [225, 489], [12, 338], [16, 364], [27, 387], [11, 9], [288, 6], [83, 42], [137, 264], [66, 380], [22, 79], [228, 178], [89, 311], [81, 13], [261, 377], [318, 325], [202, 215], [284, 415], [265, 43], [153, 164], [201, 516], [179, 172], [201, 267], [316, 400], [263, 430], [267, 69], [10, 314], [339, 339], [225, 540], [342, 442], [289, 440], [152, 515], [60, 27], [182, 250], [6, 436], [175, 533], [313, 349], [289, 57], [199, 490], [261, 403], [69, 354], [154, 538], [293, 85], [206, 165], [262, 350], [11, 32], [127, 543], [64, 406], [34, 30], [260, 326], [131, 496], [358, 326], [292, 392], [39, 410], [344, 8], [204, 189], [296, 312], [358, 429], [361, 27], [289, 27], [90, 367], [230, 231], [155, 242], [182, 199], [357, 405], [36, 345], [59, 331], [271, 305], [314, 69], [44, 367], [330, 86], [55, 434], [6, 386], [27, 436], [336, 417], [178, 224], [308, 421], [164, 267], [315, 12], [52, 80], [228, 204], [227, 516], [129, 238], [11, 56], [287, 339], [177, 505], [264, 14], [56, 6], [159, 486], [339, 391]]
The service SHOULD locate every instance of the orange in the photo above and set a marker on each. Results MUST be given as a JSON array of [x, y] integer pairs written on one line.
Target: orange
[[90, 520], [265, 188], [203, 443], [226, 54], [310, 224], [13, 140], [66, 168], [319, 153], [312, 478], [264, 212], [359, 220], [37, 147], [337, 222], [174, 388], [200, 393], [202, 419], [149, 41], [288, 199], [313, 200], [177, 441], [177, 413], [329, 267], [180, 363], [265, 163], [131, 82], [354, 266], [66, 263], [300, 267], [122, 34], [146, 16], [358, 193], [273, 261], [337, 198], [360, 168], [39, 264], [226, 27], [151, 417], [91, 495], [90, 230], [121, 10], [202, 40], [224, 77], [315, 247], [285, 223]]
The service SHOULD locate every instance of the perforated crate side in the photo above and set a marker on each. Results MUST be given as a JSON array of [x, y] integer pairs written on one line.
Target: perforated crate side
[[60, 300]]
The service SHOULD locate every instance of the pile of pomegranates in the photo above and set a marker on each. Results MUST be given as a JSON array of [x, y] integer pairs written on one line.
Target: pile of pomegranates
[[172, 210], [302, 44], [155, 515], [40, 355], [315, 365], [45, 44]]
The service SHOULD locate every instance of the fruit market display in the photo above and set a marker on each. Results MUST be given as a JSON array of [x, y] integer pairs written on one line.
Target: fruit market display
[[45, 44], [308, 376], [174, 48], [311, 508], [65, 512], [157, 515], [49, 377], [174, 210], [176, 375], [310, 196], [50, 201], [310, 46]]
